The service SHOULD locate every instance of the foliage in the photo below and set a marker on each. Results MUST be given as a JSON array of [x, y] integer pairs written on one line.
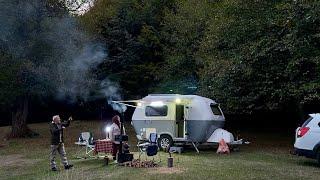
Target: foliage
[[27, 59], [44, 53], [182, 32], [131, 32], [270, 57], [51, 53], [251, 56]]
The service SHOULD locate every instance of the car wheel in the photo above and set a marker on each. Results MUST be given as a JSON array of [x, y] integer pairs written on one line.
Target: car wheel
[[164, 142], [318, 156]]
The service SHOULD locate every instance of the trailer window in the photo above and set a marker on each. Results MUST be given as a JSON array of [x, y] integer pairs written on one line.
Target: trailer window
[[215, 109], [156, 111]]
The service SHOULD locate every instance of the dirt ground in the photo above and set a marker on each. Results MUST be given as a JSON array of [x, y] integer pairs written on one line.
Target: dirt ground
[[16, 160]]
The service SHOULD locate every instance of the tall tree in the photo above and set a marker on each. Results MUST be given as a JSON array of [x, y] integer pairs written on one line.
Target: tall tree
[[26, 61], [181, 32], [131, 32], [262, 56], [43, 53]]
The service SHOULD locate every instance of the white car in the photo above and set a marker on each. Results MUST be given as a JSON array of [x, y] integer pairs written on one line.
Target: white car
[[308, 138]]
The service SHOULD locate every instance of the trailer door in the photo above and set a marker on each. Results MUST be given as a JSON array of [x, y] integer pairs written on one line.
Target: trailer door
[[180, 121]]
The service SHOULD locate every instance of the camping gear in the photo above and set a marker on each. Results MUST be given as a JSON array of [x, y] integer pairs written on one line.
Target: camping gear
[[121, 138], [175, 149], [86, 140], [170, 162], [179, 119], [137, 163], [150, 147], [223, 147], [219, 134], [104, 146], [152, 150], [106, 160], [123, 155], [126, 148]]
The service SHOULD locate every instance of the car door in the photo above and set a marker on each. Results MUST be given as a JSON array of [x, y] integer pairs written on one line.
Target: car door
[[314, 136]]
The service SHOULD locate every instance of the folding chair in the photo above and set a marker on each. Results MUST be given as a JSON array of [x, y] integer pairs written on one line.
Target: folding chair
[[150, 148], [86, 139]]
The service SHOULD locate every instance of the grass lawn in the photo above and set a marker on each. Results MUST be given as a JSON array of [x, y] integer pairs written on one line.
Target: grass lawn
[[266, 158]]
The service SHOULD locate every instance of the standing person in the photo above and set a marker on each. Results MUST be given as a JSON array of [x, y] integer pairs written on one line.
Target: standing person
[[114, 131], [57, 145]]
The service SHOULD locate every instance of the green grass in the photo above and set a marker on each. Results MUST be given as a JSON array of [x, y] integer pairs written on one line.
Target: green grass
[[266, 158]]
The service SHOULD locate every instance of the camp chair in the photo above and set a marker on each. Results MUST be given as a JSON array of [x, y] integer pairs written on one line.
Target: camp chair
[[86, 139], [150, 148]]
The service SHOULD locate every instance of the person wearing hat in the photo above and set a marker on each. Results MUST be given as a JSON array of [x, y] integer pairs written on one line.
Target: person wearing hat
[[57, 145]]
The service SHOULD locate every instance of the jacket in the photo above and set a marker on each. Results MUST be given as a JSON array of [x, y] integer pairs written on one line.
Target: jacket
[[56, 131]]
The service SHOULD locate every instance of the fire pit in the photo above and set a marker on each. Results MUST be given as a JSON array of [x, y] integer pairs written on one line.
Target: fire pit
[[140, 164]]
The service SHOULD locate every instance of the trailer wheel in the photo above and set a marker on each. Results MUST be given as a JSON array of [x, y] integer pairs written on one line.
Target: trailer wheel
[[165, 141]]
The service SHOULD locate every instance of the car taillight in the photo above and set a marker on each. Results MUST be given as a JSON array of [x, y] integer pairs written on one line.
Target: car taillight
[[302, 131]]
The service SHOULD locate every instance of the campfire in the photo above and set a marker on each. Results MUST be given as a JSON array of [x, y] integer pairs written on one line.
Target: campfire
[[140, 164]]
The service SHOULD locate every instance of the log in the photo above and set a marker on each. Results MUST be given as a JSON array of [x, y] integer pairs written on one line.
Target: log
[[140, 164]]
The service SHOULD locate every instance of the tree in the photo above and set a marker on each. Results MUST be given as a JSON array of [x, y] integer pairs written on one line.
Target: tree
[[131, 33], [181, 33], [262, 56], [43, 53]]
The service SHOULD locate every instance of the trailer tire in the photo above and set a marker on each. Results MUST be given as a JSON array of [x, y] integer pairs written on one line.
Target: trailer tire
[[165, 141]]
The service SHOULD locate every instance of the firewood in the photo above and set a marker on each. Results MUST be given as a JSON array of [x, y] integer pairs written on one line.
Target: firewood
[[140, 164]]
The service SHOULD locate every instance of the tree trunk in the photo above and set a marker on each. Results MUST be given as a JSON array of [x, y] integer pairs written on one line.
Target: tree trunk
[[19, 119]]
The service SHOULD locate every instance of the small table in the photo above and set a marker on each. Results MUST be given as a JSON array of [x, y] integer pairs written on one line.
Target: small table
[[103, 145]]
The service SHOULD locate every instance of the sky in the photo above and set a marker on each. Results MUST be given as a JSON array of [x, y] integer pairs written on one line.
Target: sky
[[79, 7]]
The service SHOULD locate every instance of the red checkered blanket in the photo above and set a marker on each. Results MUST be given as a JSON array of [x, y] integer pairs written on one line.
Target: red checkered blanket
[[104, 145]]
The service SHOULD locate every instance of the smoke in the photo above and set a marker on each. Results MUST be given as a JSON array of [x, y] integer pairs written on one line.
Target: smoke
[[111, 90], [57, 55], [117, 107]]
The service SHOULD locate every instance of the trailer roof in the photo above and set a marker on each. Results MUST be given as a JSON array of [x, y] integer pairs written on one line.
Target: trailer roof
[[164, 97]]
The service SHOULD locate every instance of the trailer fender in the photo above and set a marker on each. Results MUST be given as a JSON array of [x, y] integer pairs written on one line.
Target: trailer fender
[[165, 133]]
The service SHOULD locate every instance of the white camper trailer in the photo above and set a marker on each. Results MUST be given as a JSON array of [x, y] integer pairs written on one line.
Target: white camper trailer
[[180, 119]]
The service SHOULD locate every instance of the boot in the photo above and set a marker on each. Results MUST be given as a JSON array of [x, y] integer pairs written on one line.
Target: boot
[[54, 169], [69, 166]]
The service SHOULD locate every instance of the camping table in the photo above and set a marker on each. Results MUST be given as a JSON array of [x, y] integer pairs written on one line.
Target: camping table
[[104, 145]]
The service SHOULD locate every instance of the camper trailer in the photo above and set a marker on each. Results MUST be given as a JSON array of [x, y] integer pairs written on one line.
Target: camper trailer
[[179, 119]]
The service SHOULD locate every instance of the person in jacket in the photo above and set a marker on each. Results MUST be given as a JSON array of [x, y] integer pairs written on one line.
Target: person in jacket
[[57, 145], [114, 131]]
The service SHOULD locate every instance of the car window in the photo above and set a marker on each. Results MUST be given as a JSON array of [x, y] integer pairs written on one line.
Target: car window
[[156, 111], [307, 122], [215, 109]]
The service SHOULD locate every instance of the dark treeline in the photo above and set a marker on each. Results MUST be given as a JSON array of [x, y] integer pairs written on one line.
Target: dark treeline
[[256, 58], [259, 59]]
